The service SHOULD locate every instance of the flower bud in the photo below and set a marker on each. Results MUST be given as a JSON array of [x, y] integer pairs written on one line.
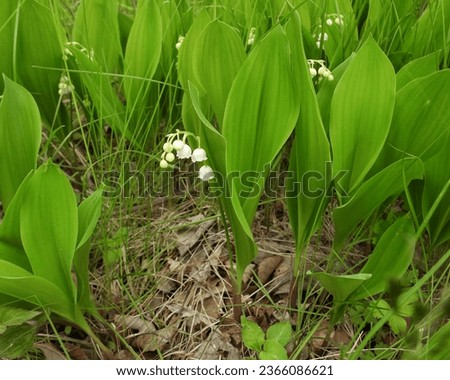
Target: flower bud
[[167, 147], [170, 157], [329, 21], [163, 164], [313, 71]]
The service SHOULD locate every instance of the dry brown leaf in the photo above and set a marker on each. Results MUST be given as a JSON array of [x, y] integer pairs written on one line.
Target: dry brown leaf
[[50, 351], [186, 240], [157, 340], [134, 322], [217, 346], [267, 267], [318, 341]]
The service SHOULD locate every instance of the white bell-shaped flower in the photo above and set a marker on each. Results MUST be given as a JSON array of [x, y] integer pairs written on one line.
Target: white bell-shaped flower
[[184, 152], [163, 164], [178, 145], [198, 155], [205, 173]]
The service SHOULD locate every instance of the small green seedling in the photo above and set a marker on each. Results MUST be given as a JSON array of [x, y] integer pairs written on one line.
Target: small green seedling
[[271, 345]]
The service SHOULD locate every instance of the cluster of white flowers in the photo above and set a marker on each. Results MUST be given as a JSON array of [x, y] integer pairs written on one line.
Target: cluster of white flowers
[[251, 37], [331, 19], [176, 142], [321, 38], [64, 86], [322, 71], [180, 41], [68, 53], [334, 18]]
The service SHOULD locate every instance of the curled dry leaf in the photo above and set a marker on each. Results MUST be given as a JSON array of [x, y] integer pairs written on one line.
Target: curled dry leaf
[[267, 267]]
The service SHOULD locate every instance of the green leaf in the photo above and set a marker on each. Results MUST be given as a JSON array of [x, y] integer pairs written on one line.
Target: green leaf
[[186, 52], [141, 60], [310, 151], [361, 112], [19, 283], [38, 54], [96, 28], [418, 68], [273, 350], [10, 226], [437, 175], [16, 341], [390, 258], [101, 92], [88, 214], [281, 332], [172, 28], [20, 138], [217, 58], [260, 114], [49, 226], [389, 182], [252, 334], [420, 121], [340, 286], [13, 254], [11, 316]]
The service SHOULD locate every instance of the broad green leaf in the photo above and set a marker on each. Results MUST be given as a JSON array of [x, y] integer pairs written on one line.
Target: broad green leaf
[[16, 341], [10, 225], [361, 112], [273, 350], [186, 51], [20, 137], [212, 140], [430, 33], [389, 182], [342, 39], [142, 54], [49, 225], [390, 258], [326, 92], [12, 316], [172, 29], [38, 54], [261, 112], [8, 18], [340, 286], [437, 175], [13, 254], [310, 151], [252, 334], [421, 117], [281, 332], [96, 28], [88, 214], [101, 92], [418, 68], [217, 58], [19, 283]]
